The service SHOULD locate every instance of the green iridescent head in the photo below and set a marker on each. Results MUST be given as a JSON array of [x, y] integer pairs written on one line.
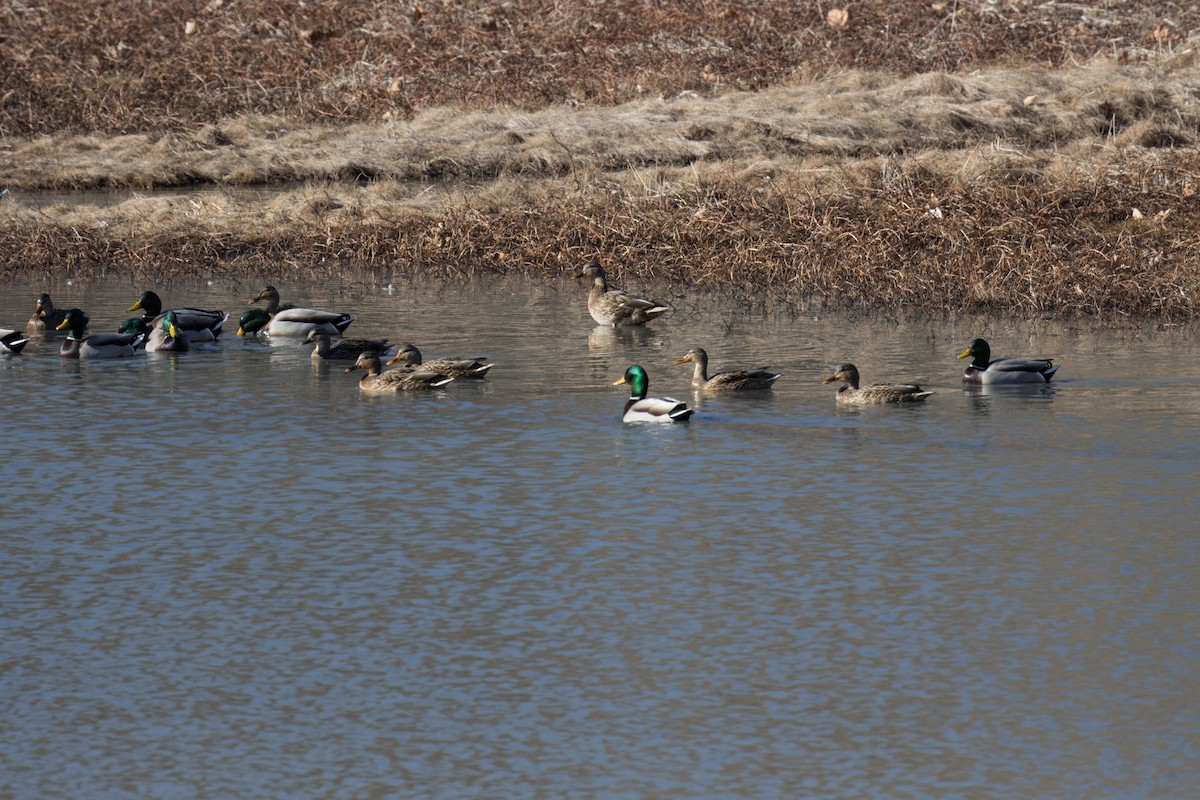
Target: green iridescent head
[[638, 380], [253, 321], [75, 323], [134, 325], [149, 304], [981, 352], [170, 325]]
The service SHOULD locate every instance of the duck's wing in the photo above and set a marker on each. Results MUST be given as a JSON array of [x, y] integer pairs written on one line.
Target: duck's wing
[[640, 303], [896, 392], [349, 349], [458, 367], [415, 378], [1042, 365], [197, 318], [287, 323], [107, 345], [311, 315], [114, 339], [743, 379]]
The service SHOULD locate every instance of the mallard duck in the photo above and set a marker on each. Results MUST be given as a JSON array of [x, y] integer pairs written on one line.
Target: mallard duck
[[878, 394], [46, 317], [134, 325], [732, 380], [614, 307], [197, 324], [640, 408], [101, 345], [167, 337], [290, 321], [253, 321], [1004, 370], [454, 367], [376, 381], [346, 349], [12, 341]]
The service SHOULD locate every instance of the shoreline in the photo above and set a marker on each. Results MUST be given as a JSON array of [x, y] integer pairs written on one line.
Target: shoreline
[[895, 236]]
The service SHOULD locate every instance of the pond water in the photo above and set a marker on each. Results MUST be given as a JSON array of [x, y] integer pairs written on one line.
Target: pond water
[[226, 574]]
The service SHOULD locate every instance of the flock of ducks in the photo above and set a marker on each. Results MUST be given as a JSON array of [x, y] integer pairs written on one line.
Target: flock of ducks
[[177, 329], [609, 306]]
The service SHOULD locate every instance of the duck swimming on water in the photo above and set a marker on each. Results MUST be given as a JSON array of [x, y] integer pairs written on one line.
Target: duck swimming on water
[[852, 394], [291, 321], [732, 380], [986, 371], [640, 408]]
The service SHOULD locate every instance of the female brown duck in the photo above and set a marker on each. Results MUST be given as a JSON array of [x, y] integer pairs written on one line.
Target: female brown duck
[[376, 381], [879, 394], [615, 307], [730, 381]]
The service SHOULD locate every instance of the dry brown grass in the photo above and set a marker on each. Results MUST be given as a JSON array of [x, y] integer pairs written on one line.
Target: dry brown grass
[[124, 66], [849, 116], [885, 234], [1036, 157]]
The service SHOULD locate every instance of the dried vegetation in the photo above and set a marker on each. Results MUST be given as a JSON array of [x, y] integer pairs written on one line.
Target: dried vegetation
[[1037, 157]]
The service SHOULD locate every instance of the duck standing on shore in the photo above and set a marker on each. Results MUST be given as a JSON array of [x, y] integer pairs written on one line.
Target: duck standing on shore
[[615, 307], [986, 371]]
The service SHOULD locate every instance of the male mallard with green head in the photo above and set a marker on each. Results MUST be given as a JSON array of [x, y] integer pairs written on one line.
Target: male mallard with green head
[[167, 337], [984, 370], [253, 322], [197, 324], [100, 345], [640, 408]]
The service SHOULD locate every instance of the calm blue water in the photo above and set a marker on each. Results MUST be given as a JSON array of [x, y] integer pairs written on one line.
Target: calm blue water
[[225, 574]]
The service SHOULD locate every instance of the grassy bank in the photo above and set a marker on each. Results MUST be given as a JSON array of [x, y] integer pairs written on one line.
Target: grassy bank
[[1037, 177], [1119, 238]]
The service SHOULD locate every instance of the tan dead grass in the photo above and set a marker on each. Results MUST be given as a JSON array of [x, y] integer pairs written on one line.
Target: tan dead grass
[[939, 233], [848, 116]]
